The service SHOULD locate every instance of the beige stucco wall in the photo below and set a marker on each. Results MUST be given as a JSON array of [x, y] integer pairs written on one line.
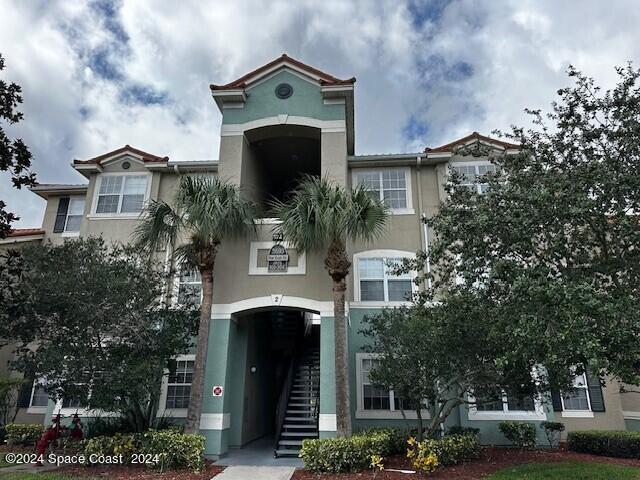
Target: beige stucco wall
[[333, 156], [610, 419]]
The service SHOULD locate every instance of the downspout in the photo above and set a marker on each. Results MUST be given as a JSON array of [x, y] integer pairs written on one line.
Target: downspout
[[424, 233]]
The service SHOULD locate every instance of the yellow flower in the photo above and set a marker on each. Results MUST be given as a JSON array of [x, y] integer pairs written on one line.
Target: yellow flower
[[376, 462]]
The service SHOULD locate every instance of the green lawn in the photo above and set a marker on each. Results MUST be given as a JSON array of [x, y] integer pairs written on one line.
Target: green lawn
[[567, 471], [3, 463]]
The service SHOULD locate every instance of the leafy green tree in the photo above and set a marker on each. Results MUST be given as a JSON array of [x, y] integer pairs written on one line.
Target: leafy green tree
[[14, 154], [206, 211], [440, 357], [551, 251], [92, 324], [321, 216]]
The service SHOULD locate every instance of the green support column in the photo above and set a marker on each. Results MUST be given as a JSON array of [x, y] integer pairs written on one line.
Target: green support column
[[216, 415], [327, 420]]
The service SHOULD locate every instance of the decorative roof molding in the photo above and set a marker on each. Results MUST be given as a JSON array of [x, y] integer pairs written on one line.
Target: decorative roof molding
[[44, 190], [23, 235], [95, 164], [323, 78], [475, 137]]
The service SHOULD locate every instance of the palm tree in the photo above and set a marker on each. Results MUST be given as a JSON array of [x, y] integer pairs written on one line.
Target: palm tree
[[205, 212], [323, 216]]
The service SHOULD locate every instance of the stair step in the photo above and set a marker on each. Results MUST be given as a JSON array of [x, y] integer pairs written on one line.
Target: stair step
[[299, 434], [299, 419], [304, 426], [297, 411], [287, 453], [293, 443]]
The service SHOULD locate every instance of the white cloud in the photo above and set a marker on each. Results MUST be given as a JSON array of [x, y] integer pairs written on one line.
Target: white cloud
[[452, 67]]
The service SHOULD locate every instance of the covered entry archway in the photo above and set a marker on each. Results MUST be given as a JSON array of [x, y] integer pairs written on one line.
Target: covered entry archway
[[263, 332]]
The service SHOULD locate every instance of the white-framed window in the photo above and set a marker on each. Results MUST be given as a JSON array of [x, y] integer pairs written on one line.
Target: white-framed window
[[375, 280], [506, 407], [176, 387], [374, 402], [121, 194], [39, 398], [189, 291], [390, 185], [179, 385], [472, 173], [75, 212], [577, 399]]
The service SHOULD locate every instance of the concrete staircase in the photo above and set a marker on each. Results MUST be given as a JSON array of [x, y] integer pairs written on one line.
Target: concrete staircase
[[301, 418]]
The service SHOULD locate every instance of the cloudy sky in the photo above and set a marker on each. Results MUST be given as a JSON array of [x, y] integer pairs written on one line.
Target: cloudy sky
[[101, 74]]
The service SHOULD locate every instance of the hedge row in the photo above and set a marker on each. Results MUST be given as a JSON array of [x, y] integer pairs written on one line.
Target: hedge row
[[23, 432], [337, 455], [171, 448], [366, 449], [608, 443]]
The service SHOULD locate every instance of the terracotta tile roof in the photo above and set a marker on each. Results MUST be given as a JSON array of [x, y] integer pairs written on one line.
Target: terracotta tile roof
[[25, 232], [146, 157], [448, 147], [325, 78]]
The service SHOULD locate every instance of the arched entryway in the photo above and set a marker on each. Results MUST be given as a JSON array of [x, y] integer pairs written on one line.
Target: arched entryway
[[275, 382]]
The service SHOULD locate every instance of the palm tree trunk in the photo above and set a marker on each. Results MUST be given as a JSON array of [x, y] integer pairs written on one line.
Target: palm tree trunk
[[338, 265], [197, 386]]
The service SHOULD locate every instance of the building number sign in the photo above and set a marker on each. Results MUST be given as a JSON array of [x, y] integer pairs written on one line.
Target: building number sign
[[278, 259]]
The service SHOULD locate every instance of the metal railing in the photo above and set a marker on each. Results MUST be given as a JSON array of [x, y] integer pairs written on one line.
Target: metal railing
[[283, 401]]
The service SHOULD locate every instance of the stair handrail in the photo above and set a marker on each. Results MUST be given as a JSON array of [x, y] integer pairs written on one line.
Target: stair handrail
[[283, 400]]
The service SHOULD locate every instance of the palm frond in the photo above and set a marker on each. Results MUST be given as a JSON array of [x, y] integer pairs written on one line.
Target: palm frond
[[320, 211], [159, 226]]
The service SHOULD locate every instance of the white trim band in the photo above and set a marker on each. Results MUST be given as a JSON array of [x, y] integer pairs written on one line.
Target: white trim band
[[327, 422], [224, 311], [631, 415], [328, 126], [215, 421]]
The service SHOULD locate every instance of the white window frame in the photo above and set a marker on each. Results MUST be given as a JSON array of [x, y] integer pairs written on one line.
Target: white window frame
[[300, 269], [537, 414], [40, 409], [578, 413], [65, 232], [96, 193], [361, 413], [172, 412], [385, 255], [176, 287], [475, 164], [408, 210]]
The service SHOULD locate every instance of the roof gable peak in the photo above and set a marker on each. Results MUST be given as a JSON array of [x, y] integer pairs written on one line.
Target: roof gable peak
[[284, 61], [473, 138]]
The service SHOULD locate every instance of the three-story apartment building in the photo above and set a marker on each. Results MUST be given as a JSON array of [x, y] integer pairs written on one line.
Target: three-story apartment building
[[270, 366]]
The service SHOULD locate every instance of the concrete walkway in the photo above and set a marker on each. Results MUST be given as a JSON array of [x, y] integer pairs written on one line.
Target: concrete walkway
[[247, 472]]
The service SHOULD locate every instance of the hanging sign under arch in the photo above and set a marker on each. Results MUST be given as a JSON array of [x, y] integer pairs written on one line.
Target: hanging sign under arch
[[278, 259]]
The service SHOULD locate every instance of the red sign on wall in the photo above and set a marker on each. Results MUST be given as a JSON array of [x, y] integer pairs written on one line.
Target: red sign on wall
[[217, 391]]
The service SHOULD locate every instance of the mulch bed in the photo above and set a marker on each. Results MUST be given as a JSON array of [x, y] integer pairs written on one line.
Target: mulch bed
[[492, 460], [124, 472]]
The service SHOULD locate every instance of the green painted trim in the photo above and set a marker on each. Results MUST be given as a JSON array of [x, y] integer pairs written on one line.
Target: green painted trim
[[306, 101], [217, 442], [327, 366]]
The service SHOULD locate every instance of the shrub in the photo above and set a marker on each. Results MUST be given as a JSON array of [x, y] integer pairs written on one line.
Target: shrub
[[23, 432], [337, 455], [460, 430], [552, 430], [449, 450], [520, 434], [609, 443], [107, 427], [173, 449]]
